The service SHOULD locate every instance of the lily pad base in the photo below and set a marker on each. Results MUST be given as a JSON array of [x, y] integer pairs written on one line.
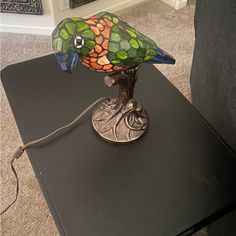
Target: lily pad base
[[119, 123]]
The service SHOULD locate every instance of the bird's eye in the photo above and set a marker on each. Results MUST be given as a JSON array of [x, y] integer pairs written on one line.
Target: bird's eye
[[79, 42]]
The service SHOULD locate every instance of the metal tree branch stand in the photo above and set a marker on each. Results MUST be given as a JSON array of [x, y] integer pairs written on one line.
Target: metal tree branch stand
[[121, 119]]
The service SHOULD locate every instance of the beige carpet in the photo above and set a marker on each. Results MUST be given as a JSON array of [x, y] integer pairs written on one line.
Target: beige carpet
[[171, 29]]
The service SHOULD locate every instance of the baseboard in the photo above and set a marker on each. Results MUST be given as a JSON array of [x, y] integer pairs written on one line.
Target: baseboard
[[123, 4], [93, 8], [89, 10], [176, 4], [26, 29]]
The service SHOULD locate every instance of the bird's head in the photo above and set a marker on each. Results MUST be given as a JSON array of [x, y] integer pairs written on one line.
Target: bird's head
[[68, 43]]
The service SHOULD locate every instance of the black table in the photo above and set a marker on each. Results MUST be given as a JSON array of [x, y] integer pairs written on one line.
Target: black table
[[176, 179]]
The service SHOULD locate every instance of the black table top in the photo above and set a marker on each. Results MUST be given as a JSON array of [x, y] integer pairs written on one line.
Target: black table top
[[176, 179]]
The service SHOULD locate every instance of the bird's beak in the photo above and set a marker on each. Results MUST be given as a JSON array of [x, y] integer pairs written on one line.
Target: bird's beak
[[67, 61]]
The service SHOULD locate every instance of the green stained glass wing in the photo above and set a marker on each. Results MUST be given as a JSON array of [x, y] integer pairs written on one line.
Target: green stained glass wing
[[127, 45]]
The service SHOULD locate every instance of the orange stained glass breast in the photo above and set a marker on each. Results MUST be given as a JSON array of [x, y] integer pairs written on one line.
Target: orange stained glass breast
[[97, 59]]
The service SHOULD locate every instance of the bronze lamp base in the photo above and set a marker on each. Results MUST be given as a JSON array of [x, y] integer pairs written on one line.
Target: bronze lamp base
[[121, 119]]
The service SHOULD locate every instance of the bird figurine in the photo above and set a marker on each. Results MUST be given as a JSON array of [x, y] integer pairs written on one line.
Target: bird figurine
[[106, 43]]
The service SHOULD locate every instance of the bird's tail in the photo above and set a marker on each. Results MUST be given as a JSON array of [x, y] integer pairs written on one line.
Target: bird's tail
[[162, 57]]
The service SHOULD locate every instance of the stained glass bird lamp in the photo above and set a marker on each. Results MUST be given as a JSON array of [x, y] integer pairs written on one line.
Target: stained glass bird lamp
[[106, 43]]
